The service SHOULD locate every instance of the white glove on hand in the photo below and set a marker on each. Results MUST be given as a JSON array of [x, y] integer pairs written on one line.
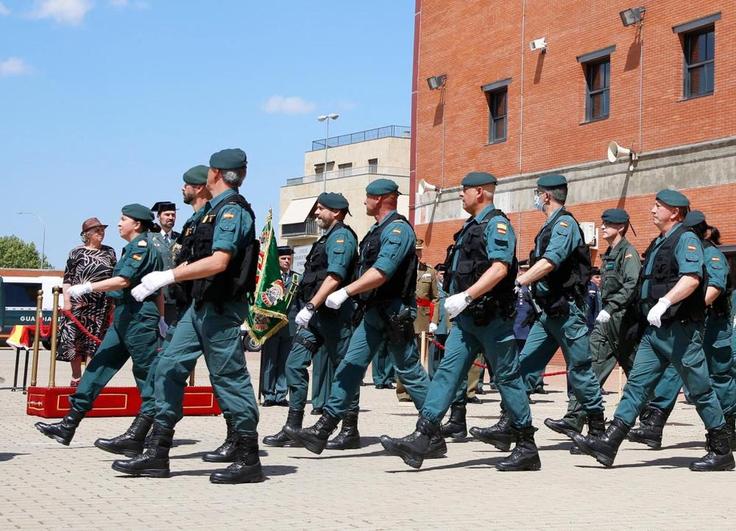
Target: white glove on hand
[[655, 314], [432, 328], [78, 290], [163, 328], [151, 283], [603, 317], [336, 298], [303, 317], [455, 304]]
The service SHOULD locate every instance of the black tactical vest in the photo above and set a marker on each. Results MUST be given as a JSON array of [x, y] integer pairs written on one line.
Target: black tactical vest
[[182, 252], [403, 283], [315, 266], [569, 280], [721, 307], [238, 281], [472, 262], [665, 273]]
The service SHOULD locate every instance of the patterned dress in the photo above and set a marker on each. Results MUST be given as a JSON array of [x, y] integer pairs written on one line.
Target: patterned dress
[[93, 309]]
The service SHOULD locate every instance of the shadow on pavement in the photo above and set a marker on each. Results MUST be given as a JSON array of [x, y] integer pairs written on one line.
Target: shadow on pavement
[[7, 456], [473, 463], [674, 462], [339, 455]]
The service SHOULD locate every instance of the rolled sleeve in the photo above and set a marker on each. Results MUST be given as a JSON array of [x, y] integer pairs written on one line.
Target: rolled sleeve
[[500, 240], [397, 241], [130, 265], [231, 225], [565, 238], [689, 255], [715, 264], [340, 251]]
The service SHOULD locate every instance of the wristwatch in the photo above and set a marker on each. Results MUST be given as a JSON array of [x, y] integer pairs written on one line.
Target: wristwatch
[[309, 306], [468, 299]]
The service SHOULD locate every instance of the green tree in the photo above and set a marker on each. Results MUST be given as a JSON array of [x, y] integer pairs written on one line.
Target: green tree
[[14, 252]]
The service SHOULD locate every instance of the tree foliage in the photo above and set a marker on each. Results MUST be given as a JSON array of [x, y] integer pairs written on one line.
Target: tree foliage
[[14, 252]]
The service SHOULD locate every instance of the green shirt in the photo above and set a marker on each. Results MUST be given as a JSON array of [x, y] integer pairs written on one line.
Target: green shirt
[[688, 254], [232, 225], [397, 241], [341, 248], [139, 258], [565, 238], [620, 269]]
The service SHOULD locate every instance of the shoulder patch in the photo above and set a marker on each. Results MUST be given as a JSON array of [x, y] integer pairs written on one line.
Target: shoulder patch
[[340, 241], [143, 243], [228, 215], [564, 224], [716, 258], [396, 231], [691, 247], [627, 256], [136, 257], [502, 227]]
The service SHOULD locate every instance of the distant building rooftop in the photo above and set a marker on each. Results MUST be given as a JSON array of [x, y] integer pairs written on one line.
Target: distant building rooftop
[[396, 131]]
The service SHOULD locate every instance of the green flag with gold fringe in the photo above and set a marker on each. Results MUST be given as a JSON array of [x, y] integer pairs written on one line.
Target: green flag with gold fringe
[[271, 300]]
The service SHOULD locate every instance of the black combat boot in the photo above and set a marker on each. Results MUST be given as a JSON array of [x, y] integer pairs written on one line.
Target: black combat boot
[[596, 428], [719, 456], [525, 455], [414, 447], [437, 447], [225, 453], [605, 447], [561, 426], [294, 419], [499, 435], [651, 424], [456, 426], [131, 442], [246, 467], [731, 427], [62, 431], [315, 437], [154, 461], [349, 436]]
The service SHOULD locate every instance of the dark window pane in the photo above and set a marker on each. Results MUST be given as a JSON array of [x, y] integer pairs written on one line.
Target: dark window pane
[[499, 129]]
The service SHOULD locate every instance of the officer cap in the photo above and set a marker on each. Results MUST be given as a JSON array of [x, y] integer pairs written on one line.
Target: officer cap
[[138, 212], [440, 267], [551, 181], [615, 215], [163, 206], [478, 178], [694, 218], [382, 187], [229, 159], [285, 250], [196, 175], [333, 200], [673, 198]]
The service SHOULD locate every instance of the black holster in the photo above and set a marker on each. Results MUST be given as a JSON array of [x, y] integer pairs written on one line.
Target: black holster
[[400, 327]]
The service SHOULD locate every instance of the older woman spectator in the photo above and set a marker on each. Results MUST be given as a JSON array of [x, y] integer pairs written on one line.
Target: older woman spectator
[[90, 262]]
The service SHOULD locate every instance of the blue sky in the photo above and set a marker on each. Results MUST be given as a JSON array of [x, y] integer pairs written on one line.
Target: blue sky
[[108, 102]]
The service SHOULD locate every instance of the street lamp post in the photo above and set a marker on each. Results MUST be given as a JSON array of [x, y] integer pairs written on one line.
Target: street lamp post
[[326, 118], [43, 240]]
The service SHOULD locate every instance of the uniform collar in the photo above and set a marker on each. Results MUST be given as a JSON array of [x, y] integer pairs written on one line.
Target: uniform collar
[[134, 241], [554, 213], [614, 251], [220, 198], [483, 213], [384, 220]]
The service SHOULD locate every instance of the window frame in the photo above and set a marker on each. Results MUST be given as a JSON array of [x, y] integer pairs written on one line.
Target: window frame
[[708, 65]]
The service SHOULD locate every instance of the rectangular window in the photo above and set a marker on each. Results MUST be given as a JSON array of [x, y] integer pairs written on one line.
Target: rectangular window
[[597, 89], [497, 115], [372, 165], [344, 170], [699, 50]]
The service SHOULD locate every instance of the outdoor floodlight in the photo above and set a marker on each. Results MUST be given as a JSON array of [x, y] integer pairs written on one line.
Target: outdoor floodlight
[[632, 15], [436, 82]]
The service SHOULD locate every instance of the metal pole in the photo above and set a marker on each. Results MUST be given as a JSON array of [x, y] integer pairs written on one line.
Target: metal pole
[[37, 337], [54, 329], [324, 172], [423, 345], [191, 378]]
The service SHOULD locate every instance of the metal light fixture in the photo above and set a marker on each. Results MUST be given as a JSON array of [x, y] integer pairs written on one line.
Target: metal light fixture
[[632, 16], [326, 118], [436, 82]]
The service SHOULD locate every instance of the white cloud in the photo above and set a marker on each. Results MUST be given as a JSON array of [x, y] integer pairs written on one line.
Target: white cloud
[[62, 11], [288, 105], [4, 11], [14, 66], [134, 4]]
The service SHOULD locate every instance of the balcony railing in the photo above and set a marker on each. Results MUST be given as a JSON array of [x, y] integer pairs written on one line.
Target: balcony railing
[[307, 228], [395, 131], [350, 172]]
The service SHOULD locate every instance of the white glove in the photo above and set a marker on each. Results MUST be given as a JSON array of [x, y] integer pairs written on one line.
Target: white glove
[[517, 288], [151, 283], [163, 328], [336, 298], [78, 290], [655, 314], [455, 304], [432, 328], [303, 317], [603, 317]]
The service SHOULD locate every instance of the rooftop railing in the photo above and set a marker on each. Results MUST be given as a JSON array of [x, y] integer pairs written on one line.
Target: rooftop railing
[[396, 131], [342, 173]]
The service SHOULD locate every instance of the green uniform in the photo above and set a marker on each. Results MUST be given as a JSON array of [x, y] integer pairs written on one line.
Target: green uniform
[[716, 346], [397, 240], [568, 332], [212, 329], [620, 269], [133, 334], [329, 330], [676, 342], [496, 338]]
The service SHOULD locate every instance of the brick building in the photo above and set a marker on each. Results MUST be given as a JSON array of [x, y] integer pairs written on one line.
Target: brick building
[[664, 87]]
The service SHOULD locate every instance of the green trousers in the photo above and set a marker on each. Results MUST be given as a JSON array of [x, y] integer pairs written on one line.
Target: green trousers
[[369, 337], [382, 369], [133, 334], [679, 344], [322, 374], [216, 335], [274, 354]]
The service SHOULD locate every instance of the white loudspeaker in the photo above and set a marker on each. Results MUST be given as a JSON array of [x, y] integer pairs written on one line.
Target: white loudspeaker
[[424, 187], [538, 44], [590, 233], [616, 152]]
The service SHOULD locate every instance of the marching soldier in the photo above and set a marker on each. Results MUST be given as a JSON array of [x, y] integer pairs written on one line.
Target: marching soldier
[[673, 299], [481, 269]]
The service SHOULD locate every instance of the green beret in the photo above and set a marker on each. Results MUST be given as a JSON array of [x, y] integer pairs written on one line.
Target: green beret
[[138, 212], [673, 198], [229, 159], [196, 175], [382, 187], [693, 218], [615, 215], [333, 200], [478, 178], [551, 181]]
